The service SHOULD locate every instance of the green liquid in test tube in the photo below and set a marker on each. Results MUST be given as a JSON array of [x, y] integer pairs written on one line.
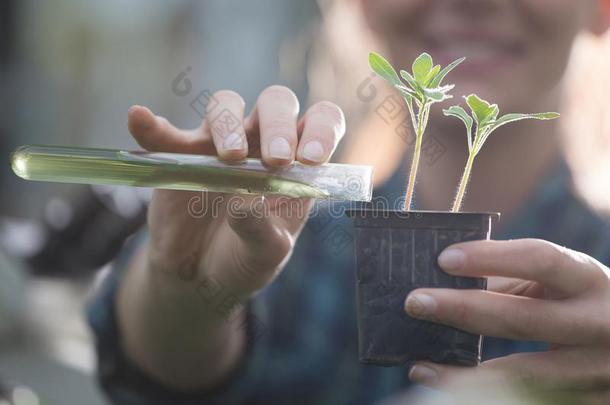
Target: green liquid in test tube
[[178, 171]]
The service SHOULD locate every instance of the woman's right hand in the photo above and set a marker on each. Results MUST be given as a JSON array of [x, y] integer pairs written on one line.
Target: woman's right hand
[[214, 236], [226, 237]]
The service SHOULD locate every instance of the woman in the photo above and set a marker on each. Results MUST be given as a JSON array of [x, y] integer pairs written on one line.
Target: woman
[[227, 306]]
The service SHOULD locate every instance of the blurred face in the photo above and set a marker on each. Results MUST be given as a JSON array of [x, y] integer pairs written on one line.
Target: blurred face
[[516, 50]]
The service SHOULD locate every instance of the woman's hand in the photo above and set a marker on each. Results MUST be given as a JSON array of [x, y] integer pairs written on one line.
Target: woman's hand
[[537, 291], [249, 248], [180, 305]]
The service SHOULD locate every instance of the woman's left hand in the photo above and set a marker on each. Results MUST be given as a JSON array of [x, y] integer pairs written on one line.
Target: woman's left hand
[[536, 291]]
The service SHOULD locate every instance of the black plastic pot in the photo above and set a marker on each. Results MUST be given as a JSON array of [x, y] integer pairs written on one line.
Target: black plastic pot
[[396, 252]]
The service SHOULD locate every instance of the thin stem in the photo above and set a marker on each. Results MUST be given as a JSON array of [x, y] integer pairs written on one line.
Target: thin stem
[[421, 121], [457, 203], [426, 116], [411, 113]]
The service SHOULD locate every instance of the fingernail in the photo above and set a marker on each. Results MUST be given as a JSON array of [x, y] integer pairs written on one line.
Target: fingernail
[[279, 148], [423, 374], [451, 259], [420, 305], [233, 141], [313, 151]]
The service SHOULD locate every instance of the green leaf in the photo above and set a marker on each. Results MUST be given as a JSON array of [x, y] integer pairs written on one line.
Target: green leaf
[[406, 92], [421, 68], [411, 81], [439, 94], [491, 116], [459, 112], [383, 68], [495, 110], [437, 81], [416, 87], [432, 74], [407, 76], [482, 111], [405, 89], [508, 118]]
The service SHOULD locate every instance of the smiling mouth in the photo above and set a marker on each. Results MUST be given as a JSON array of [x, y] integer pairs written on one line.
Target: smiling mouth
[[484, 54]]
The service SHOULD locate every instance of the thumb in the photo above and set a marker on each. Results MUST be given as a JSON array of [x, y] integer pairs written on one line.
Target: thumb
[[263, 240]]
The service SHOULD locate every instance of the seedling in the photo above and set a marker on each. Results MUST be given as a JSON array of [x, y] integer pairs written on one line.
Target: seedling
[[484, 119], [421, 88], [397, 252]]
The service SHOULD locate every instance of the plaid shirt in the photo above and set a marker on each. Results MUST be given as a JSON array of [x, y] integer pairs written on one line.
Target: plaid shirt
[[302, 328]]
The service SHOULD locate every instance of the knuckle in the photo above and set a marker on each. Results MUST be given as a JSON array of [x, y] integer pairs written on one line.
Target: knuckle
[[278, 92], [283, 240], [229, 95], [255, 266], [322, 132], [145, 143], [327, 118], [598, 273], [151, 139], [329, 109], [457, 314], [279, 126], [251, 227], [549, 256], [521, 324], [163, 125]]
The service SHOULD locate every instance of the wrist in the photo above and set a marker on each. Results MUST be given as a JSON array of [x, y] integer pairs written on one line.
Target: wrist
[[170, 327]]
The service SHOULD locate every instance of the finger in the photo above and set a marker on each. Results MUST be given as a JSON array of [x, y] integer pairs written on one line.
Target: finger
[[276, 112], [263, 242], [224, 121], [493, 314], [156, 134], [460, 385], [252, 128], [563, 270], [570, 369], [516, 286], [323, 128], [440, 375]]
